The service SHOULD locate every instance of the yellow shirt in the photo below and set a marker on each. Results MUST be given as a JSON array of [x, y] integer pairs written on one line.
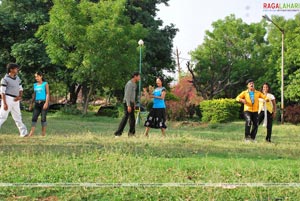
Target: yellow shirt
[[249, 106]]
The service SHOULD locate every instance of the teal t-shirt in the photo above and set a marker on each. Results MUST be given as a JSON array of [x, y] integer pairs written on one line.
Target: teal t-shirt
[[40, 91], [158, 103]]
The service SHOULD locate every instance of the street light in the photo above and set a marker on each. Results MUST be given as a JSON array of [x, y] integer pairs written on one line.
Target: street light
[[282, 64], [141, 43]]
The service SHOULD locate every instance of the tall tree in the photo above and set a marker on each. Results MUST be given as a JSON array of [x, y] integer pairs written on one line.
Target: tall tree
[[95, 40], [232, 52], [291, 58], [159, 42], [19, 20]]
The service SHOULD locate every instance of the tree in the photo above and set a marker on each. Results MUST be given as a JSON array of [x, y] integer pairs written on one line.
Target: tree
[[233, 52], [19, 20], [159, 41], [95, 40], [291, 58]]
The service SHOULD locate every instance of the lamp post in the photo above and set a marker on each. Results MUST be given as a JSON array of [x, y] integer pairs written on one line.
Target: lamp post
[[282, 64], [141, 43]]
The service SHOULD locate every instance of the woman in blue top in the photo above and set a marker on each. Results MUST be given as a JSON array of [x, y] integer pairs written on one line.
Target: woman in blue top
[[40, 99], [157, 115]]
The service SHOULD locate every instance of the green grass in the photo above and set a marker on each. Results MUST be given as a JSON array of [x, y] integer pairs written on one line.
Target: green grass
[[81, 150]]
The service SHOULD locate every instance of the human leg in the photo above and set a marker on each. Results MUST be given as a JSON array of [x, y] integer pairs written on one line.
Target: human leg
[[35, 115], [44, 121], [3, 114], [254, 119], [17, 116], [163, 132], [146, 131], [131, 122], [123, 121], [247, 117], [269, 127]]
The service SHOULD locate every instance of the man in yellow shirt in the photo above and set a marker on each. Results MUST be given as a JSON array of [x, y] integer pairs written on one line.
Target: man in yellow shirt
[[250, 100]]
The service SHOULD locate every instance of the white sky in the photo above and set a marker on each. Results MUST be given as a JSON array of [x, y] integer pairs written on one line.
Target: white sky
[[194, 17]]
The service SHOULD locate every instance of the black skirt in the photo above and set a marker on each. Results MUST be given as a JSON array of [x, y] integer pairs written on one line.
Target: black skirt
[[156, 118]]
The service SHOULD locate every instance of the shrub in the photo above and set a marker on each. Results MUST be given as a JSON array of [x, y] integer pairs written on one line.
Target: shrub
[[292, 114], [219, 110], [108, 111], [175, 110]]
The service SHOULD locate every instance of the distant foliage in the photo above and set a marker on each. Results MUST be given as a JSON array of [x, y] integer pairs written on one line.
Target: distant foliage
[[292, 114], [219, 110], [188, 99], [181, 101]]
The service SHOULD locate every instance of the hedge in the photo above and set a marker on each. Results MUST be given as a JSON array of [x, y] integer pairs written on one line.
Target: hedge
[[219, 110]]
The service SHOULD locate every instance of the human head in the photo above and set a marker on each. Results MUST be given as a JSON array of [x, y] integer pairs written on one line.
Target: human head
[[159, 81], [136, 76], [250, 84], [38, 76], [266, 88], [11, 66]]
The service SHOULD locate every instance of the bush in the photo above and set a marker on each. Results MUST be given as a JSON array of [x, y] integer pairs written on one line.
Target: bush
[[176, 110], [219, 110], [292, 114], [108, 111]]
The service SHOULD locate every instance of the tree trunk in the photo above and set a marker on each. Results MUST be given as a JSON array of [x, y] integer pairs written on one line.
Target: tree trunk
[[74, 90], [86, 93]]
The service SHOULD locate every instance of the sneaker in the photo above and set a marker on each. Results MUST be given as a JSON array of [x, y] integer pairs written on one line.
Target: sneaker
[[247, 141], [117, 136], [24, 135]]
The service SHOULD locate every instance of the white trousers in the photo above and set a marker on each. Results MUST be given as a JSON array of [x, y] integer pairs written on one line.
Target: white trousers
[[14, 108]]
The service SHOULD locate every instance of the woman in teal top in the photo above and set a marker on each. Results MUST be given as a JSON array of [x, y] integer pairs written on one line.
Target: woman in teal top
[[157, 115], [40, 99]]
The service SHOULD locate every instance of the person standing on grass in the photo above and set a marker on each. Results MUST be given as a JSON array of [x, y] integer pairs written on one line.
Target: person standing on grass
[[267, 110], [157, 115], [11, 93], [129, 106], [40, 99], [250, 100]]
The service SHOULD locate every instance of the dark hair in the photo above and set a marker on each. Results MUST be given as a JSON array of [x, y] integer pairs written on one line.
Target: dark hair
[[134, 74], [11, 66], [268, 87], [248, 81], [161, 79], [39, 73]]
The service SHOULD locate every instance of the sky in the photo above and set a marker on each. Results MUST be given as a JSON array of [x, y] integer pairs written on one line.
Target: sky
[[194, 17]]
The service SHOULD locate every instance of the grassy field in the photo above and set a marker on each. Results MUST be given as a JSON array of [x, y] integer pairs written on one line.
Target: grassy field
[[79, 159]]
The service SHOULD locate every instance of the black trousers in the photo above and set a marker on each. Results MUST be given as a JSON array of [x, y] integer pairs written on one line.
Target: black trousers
[[251, 121], [124, 120], [38, 109], [261, 117]]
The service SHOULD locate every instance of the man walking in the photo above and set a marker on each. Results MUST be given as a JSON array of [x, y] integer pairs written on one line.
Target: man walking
[[129, 106], [11, 93], [250, 100]]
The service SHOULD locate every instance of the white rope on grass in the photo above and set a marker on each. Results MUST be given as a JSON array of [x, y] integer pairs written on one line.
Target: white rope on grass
[[151, 185]]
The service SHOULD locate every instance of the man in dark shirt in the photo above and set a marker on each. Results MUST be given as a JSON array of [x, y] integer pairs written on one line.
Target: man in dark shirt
[[129, 105]]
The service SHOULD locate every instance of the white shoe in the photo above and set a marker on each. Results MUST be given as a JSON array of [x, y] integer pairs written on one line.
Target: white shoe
[[24, 135], [247, 141]]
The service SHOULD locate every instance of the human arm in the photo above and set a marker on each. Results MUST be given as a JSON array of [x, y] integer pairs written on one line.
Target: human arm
[[162, 95], [4, 101], [274, 108], [32, 101], [3, 96], [241, 98], [46, 104]]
